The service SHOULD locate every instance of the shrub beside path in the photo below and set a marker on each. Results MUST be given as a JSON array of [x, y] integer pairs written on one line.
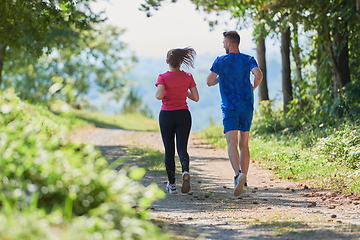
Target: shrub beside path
[[273, 209]]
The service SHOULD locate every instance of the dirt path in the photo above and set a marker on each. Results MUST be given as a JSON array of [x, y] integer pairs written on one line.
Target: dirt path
[[274, 209]]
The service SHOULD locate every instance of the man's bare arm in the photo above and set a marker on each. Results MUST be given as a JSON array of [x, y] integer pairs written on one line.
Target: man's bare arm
[[258, 77], [211, 80]]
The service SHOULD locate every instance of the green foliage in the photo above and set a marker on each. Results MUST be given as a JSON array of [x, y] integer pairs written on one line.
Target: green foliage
[[308, 114], [133, 104], [31, 26], [325, 40], [318, 166], [36, 224], [324, 155], [268, 118], [30, 225], [97, 58], [351, 99], [342, 146], [305, 150], [46, 177]]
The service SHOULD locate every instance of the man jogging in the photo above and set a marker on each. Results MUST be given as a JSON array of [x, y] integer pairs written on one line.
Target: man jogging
[[232, 72]]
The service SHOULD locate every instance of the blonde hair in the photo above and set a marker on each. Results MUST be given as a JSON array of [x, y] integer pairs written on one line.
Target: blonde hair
[[178, 56]]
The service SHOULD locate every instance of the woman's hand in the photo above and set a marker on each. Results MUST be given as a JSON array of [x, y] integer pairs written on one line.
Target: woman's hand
[[193, 94]]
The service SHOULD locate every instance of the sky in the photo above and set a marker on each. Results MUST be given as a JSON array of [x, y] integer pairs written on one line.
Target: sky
[[175, 25]]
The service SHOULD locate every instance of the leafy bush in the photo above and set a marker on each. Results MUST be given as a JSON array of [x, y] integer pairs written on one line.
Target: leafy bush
[[266, 120], [352, 99], [343, 146], [35, 224], [41, 169]]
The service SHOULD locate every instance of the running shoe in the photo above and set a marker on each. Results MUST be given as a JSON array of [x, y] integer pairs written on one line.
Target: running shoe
[[185, 188], [239, 182], [171, 189]]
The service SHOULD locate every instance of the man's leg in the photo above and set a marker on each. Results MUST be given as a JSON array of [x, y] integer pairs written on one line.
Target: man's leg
[[238, 161], [233, 152], [240, 178], [244, 152]]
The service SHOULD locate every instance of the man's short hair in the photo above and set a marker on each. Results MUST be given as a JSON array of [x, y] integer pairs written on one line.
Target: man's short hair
[[233, 36]]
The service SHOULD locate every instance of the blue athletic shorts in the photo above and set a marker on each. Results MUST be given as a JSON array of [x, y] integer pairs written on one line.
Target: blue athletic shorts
[[237, 120]]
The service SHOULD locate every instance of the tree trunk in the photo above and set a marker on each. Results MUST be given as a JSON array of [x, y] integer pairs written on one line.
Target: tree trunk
[[261, 58], [342, 77], [295, 50], [286, 72], [2, 56], [340, 62]]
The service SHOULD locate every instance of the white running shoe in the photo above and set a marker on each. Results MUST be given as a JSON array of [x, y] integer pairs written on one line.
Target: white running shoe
[[171, 189], [239, 182], [185, 188]]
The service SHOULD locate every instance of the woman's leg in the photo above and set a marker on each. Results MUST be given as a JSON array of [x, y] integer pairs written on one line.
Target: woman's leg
[[182, 131], [167, 129]]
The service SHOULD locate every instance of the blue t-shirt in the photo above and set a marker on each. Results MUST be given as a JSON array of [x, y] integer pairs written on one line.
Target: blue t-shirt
[[234, 80]]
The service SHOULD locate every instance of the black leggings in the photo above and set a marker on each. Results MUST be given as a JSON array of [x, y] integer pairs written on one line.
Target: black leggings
[[175, 123]]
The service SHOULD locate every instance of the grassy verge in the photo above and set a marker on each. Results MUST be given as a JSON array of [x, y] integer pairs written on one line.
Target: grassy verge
[[330, 162], [154, 159], [125, 121]]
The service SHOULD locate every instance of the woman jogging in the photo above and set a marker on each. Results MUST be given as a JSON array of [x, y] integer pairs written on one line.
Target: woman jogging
[[173, 88]]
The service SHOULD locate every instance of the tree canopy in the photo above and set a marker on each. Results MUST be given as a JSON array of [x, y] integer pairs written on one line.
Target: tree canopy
[[59, 49], [97, 59], [324, 38], [30, 27], [35, 25]]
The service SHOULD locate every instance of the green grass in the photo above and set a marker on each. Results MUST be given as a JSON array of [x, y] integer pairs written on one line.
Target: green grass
[[306, 165], [154, 159], [330, 162], [125, 121], [213, 135]]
